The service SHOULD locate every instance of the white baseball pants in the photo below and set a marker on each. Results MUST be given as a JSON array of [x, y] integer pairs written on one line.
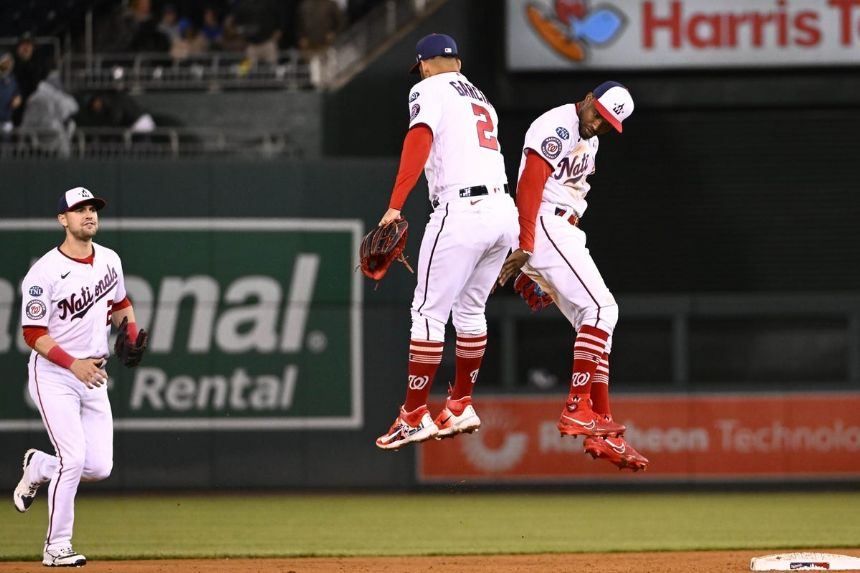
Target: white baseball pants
[[80, 426], [562, 265], [464, 245]]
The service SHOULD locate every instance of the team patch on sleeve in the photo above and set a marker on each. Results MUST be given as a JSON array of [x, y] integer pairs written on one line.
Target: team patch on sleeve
[[562, 132], [36, 291], [36, 309], [551, 147], [414, 113]]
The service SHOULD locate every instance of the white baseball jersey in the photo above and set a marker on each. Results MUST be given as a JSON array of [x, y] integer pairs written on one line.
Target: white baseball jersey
[[555, 136], [466, 150], [74, 300]]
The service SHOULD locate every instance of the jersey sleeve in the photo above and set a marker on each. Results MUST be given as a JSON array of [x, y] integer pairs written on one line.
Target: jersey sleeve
[[425, 106], [549, 137], [120, 293], [36, 304]]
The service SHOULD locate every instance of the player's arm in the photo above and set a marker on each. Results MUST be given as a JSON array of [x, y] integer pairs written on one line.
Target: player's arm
[[413, 157], [124, 309], [529, 194], [88, 370], [130, 342]]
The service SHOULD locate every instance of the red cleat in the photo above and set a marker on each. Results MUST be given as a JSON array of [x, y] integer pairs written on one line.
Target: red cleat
[[616, 428], [408, 428], [451, 424], [617, 451], [578, 419]]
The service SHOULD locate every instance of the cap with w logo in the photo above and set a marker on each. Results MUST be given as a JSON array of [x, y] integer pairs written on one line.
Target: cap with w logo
[[613, 102], [74, 198]]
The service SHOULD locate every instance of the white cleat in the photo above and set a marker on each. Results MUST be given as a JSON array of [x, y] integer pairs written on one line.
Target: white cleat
[[26, 490], [409, 428], [450, 424], [65, 557]]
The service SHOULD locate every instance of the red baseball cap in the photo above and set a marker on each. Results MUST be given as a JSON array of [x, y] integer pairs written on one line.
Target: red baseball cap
[[614, 103]]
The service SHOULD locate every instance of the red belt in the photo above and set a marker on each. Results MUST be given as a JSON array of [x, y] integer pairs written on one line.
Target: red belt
[[573, 219]]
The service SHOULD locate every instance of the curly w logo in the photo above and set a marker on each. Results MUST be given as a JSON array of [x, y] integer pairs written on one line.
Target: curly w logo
[[418, 382]]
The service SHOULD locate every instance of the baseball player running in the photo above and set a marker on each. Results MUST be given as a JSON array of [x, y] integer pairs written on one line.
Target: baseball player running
[[70, 298], [558, 155], [453, 130]]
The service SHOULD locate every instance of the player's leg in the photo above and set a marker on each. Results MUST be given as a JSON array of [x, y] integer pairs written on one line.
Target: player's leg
[[600, 387], [58, 399], [38, 467], [497, 227], [614, 449], [470, 322], [97, 421], [564, 262], [443, 266]]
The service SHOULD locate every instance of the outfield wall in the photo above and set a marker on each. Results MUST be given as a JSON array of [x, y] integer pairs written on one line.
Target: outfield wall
[[272, 364]]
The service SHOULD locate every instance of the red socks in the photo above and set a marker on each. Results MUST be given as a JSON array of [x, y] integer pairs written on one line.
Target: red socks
[[424, 359], [470, 353], [588, 349], [600, 387]]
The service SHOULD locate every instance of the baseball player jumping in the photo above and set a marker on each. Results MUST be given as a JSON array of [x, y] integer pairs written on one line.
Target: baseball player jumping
[[70, 298], [453, 131], [558, 155]]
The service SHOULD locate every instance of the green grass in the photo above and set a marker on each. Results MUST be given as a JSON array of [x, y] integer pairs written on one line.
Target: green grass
[[153, 526]]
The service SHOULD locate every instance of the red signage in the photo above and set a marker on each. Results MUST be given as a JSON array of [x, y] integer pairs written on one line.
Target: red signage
[[686, 437]]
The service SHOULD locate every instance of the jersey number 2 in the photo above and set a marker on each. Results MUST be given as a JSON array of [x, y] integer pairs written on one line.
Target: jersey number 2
[[485, 128]]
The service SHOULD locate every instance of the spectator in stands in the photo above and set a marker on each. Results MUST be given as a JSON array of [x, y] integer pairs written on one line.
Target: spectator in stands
[[191, 42], [169, 24], [147, 37], [319, 22], [132, 29], [259, 22], [232, 40], [30, 69], [114, 109], [49, 114], [211, 28], [10, 97]]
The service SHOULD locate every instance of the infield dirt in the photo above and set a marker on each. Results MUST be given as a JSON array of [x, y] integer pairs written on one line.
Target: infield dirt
[[668, 562]]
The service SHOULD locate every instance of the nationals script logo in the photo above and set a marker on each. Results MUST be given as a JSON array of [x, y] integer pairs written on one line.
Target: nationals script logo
[[77, 306], [569, 27]]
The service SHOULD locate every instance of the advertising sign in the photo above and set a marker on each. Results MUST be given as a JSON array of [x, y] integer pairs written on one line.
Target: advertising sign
[[607, 34], [254, 323], [685, 437]]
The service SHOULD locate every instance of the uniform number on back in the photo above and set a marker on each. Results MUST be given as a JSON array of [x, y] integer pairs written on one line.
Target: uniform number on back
[[485, 128]]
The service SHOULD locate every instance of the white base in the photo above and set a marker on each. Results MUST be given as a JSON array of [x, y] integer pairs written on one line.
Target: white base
[[805, 562]]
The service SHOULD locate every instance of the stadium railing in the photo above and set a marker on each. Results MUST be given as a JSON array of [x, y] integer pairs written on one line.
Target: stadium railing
[[137, 72], [164, 142], [362, 42], [840, 313]]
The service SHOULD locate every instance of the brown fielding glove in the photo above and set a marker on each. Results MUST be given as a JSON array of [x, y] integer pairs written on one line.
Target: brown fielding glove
[[129, 352], [381, 247]]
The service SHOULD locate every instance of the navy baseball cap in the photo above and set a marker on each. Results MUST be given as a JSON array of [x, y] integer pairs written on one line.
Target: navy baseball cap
[[74, 198], [433, 46], [614, 103]]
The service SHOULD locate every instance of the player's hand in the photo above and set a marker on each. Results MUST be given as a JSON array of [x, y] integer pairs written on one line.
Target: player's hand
[[390, 215], [90, 371], [512, 265]]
